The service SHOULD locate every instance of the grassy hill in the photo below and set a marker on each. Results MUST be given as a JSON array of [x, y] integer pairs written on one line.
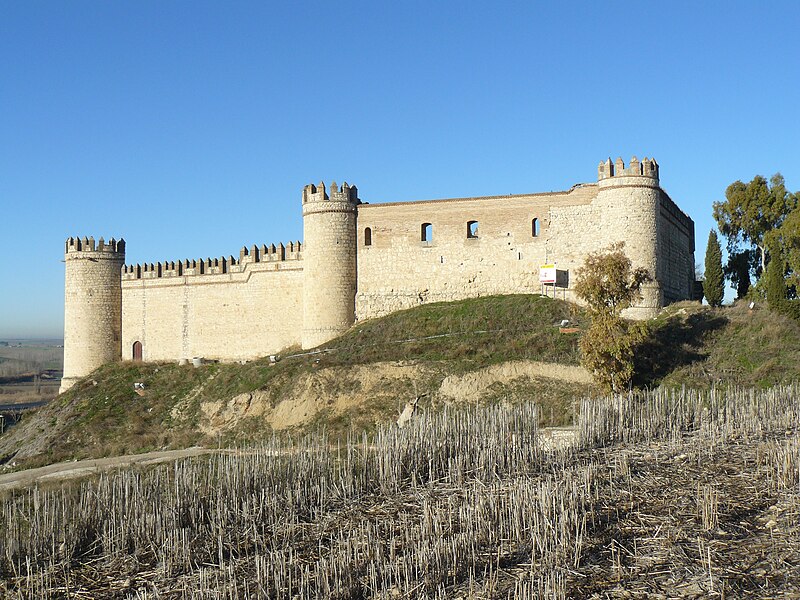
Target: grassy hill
[[699, 346], [361, 378], [501, 349]]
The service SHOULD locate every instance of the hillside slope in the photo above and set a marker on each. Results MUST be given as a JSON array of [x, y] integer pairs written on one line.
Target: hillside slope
[[699, 346], [501, 348], [494, 349]]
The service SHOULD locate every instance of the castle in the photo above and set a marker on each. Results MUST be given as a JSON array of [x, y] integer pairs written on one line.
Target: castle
[[360, 260]]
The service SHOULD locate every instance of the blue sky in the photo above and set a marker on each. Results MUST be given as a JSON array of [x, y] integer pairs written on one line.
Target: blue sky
[[190, 128]]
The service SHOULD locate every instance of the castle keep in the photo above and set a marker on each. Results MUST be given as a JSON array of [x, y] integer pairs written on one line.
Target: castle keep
[[359, 261]]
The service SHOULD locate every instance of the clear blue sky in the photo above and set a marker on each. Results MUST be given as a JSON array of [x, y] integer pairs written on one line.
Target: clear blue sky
[[190, 128]]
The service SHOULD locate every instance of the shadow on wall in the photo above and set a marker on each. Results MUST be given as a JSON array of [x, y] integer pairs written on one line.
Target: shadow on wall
[[673, 344]]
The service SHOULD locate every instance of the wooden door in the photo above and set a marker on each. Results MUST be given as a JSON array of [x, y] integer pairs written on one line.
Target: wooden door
[[137, 350]]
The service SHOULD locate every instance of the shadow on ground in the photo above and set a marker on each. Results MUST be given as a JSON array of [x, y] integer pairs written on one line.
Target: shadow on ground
[[674, 343]]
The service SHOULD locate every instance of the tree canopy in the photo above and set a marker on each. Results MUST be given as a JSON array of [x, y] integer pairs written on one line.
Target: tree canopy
[[750, 211], [788, 236], [608, 283]]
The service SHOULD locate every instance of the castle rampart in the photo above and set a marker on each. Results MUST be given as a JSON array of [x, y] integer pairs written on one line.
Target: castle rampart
[[215, 308], [359, 261], [215, 266]]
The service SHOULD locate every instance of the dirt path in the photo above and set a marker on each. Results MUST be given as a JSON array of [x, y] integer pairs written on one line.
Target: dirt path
[[471, 386], [80, 468]]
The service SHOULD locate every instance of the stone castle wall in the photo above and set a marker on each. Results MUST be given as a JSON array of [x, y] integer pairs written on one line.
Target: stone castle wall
[[215, 308], [360, 261], [675, 252], [400, 270]]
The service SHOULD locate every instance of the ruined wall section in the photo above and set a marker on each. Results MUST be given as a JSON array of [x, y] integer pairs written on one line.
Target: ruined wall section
[[92, 306], [399, 270], [223, 308]]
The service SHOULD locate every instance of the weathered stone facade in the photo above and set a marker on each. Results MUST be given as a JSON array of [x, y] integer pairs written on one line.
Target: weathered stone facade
[[361, 260], [329, 262], [92, 305]]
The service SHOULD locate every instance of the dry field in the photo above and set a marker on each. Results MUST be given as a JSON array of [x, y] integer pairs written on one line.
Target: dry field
[[30, 372], [682, 494]]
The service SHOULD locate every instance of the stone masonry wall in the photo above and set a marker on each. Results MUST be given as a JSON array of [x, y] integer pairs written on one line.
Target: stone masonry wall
[[255, 311], [675, 252], [92, 306], [399, 270]]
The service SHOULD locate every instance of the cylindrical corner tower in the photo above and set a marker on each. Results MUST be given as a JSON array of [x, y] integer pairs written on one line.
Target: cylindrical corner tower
[[629, 200], [92, 306], [329, 262]]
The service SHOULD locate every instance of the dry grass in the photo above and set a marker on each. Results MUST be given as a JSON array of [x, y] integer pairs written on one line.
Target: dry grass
[[698, 346], [685, 494]]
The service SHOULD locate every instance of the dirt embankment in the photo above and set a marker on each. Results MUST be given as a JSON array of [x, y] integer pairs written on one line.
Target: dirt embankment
[[470, 387], [339, 397], [379, 389]]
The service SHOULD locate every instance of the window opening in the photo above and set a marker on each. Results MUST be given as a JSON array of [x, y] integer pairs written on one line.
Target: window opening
[[472, 229], [368, 236], [426, 232], [535, 228]]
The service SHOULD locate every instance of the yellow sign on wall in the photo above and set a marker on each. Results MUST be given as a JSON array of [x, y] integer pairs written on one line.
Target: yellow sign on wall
[[547, 274]]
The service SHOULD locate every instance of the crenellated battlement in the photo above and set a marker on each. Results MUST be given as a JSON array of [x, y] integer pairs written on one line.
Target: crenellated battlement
[[88, 244], [317, 193], [646, 168], [215, 266]]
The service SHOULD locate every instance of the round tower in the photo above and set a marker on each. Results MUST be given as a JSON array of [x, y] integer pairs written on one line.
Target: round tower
[[329, 262], [92, 306], [629, 202]]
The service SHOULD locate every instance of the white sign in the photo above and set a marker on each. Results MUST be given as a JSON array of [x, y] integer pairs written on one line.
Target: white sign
[[547, 274]]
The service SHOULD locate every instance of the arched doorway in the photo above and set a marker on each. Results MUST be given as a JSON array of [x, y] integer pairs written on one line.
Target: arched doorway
[[137, 350]]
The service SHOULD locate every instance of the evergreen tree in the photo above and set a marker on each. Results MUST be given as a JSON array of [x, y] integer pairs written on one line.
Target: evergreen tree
[[774, 279], [738, 269], [714, 284], [750, 211]]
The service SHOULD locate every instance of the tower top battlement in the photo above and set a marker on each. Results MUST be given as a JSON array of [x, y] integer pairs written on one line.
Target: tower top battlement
[[344, 193], [85, 244], [646, 168]]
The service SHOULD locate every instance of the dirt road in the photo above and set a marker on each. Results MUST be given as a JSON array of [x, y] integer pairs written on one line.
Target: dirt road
[[80, 468]]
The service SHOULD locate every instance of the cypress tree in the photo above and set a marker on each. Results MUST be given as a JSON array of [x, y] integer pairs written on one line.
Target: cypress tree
[[775, 281], [714, 284]]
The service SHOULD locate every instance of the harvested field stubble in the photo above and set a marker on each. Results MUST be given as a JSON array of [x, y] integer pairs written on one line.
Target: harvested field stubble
[[681, 494]]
